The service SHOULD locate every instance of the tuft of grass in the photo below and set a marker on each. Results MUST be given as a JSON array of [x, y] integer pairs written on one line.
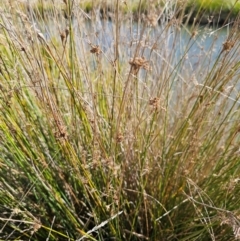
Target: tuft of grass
[[116, 129]]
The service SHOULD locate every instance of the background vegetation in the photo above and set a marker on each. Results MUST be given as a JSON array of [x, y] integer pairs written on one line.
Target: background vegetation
[[110, 131]]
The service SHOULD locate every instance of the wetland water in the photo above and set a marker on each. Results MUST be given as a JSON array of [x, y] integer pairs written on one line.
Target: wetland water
[[184, 49], [207, 43]]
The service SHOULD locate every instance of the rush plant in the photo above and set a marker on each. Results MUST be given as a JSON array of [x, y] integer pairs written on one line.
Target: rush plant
[[117, 128]]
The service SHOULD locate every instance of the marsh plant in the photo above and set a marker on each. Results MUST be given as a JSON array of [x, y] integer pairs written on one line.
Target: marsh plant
[[116, 129]]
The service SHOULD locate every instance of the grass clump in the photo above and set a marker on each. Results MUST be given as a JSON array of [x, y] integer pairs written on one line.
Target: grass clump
[[216, 4], [116, 129]]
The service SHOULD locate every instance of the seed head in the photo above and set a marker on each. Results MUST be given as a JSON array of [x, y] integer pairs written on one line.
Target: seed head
[[95, 49], [228, 45], [154, 102], [139, 62]]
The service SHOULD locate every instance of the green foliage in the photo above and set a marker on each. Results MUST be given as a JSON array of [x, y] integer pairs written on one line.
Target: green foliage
[[110, 133]]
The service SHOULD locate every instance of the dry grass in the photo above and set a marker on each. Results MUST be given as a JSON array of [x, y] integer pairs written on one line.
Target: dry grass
[[118, 129]]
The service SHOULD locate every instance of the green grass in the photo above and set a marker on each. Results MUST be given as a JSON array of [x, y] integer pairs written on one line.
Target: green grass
[[47, 8], [128, 141]]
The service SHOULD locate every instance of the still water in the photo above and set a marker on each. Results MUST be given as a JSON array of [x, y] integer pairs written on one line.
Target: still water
[[184, 49]]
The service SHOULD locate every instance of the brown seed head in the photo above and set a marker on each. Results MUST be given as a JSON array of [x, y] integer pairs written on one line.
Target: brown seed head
[[154, 102], [228, 45], [95, 49], [119, 137], [63, 36], [139, 62], [152, 19]]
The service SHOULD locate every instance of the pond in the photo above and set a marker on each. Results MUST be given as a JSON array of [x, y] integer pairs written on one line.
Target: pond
[[178, 44], [177, 52]]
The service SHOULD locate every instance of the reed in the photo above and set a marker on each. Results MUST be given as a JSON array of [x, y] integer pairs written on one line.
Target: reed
[[118, 129]]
